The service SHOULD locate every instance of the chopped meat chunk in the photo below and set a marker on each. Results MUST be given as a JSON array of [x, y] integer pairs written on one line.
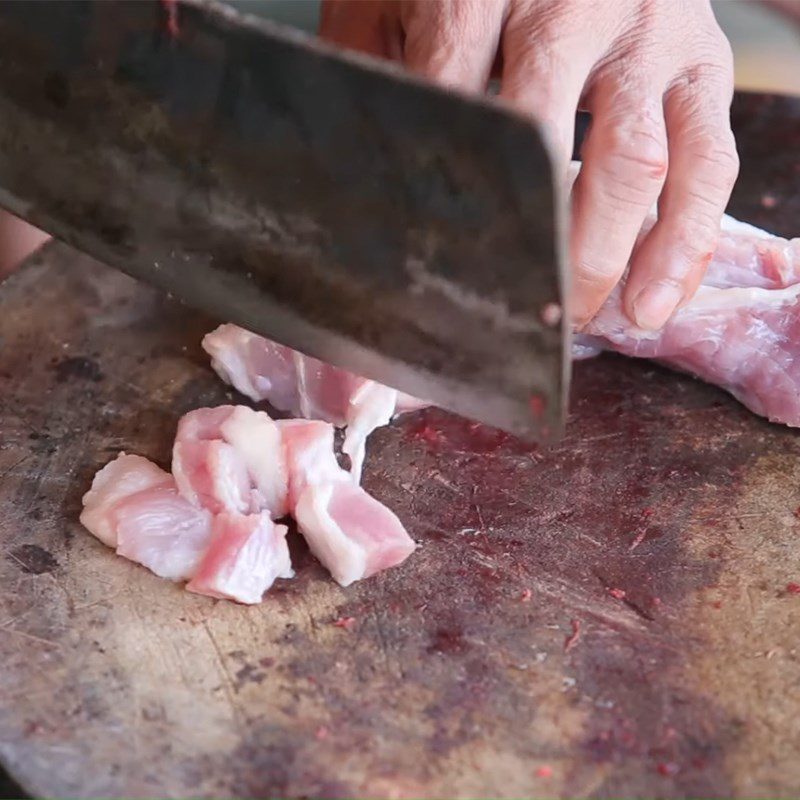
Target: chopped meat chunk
[[135, 506], [246, 555], [310, 458], [163, 531], [228, 459], [234, 471], [120, 478], [350, 532]]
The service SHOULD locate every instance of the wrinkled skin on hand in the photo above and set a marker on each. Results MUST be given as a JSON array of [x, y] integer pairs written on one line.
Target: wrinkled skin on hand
[[657, 77]]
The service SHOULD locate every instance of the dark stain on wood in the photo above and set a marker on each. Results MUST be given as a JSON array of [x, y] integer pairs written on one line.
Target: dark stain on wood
[[79, 368], [33, 559]]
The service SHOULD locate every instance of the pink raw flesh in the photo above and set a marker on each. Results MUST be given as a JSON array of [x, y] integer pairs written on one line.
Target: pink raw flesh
[[305, 387], [163, 531], [350, 532], [740, 331], [246, 555], [120, 478], [324, 390], [230, 458]]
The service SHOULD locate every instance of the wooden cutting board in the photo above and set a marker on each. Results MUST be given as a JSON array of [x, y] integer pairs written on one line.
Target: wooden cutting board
[[609, 618]]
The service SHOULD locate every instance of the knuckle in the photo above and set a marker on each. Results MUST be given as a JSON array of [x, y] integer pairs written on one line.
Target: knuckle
[[698, 233], [716, 151], [724, 53], [601, 274], [636, 152]]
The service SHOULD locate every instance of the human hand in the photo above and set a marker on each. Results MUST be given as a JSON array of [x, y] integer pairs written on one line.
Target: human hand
[[657, 77]]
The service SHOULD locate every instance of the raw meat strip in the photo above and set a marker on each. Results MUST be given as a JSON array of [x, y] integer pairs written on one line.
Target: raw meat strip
[[350, 532], [741, 330], [296, 384], [135, 507], [246, 555], [229, 459]]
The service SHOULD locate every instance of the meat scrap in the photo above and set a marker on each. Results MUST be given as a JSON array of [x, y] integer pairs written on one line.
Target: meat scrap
[[211, 521]]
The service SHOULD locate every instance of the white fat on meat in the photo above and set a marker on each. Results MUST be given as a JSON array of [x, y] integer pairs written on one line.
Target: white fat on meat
[[371, 406], [135, 507], [350, 532], [310, 457], [246, 555], [224, 459]]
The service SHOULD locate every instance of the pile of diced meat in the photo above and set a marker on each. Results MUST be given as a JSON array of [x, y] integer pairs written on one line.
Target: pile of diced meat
[[212, 521]]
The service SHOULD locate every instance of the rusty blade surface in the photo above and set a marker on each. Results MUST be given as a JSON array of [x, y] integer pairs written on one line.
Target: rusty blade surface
[[326, 201]]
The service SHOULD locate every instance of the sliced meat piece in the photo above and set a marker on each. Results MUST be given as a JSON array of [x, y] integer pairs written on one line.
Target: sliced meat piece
[[246, 555], [230, 458], [350, 532], [134, 506], [163, 531], [325, 391], [290, 381], [258, 368], [117, 480]]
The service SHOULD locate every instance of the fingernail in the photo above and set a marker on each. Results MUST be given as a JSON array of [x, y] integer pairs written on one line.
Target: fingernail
[[655, 304]]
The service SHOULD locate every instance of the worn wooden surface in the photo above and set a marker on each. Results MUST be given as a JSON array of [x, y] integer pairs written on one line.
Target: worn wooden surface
[[496, 662]]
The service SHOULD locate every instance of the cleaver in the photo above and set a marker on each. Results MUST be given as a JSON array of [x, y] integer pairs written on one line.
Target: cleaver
[[325, 200]]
